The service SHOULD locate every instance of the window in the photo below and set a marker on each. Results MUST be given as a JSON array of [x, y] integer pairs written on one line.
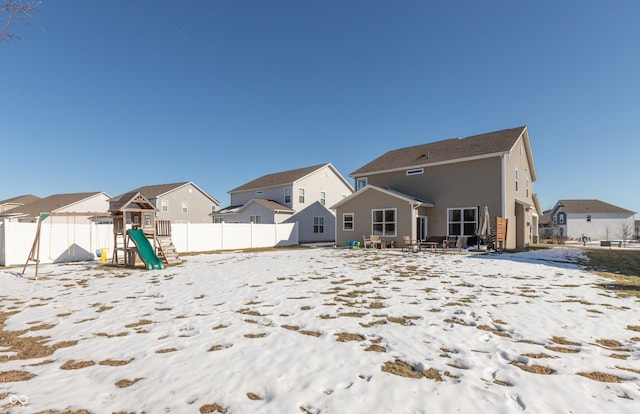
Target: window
[[462, 221], [287, 195], [517, 178], [301, 195], [323, 197], [526, 186], [213, 208], [415, 172], [185, 207], [562, 217], [589, 218], [360, 183], [164, 206], [347, 222], [218, 220], [383, 222], [259, 192], [318, 224], [255, 219], [147, 220]]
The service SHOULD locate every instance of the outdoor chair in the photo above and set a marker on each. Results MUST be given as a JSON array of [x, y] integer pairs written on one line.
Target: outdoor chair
[[452, 242], [375, 241], [410, 245]]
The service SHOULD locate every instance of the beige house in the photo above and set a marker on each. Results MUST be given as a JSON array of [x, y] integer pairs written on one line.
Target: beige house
[[182, 202], [286, 197], [441, 188], [80, 205]]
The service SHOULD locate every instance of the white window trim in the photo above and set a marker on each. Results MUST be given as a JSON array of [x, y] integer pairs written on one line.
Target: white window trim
[[364, 182], [415, 171], [353, 221], [395, 222], [462, 221]]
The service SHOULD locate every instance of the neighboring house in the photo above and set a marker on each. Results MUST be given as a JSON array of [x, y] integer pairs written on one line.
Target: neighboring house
[[284, 196], [16, 202], [179, 202], [440, 188], [636, 233], [80, 205], [593, 219]]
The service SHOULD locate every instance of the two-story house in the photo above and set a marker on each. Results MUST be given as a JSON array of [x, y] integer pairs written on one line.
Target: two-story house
[[593, 219], [14, 202], [183, 202], [440, 189], [302, 195]]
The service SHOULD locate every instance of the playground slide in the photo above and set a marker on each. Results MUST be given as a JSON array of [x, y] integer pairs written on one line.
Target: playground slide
[[145, 250]]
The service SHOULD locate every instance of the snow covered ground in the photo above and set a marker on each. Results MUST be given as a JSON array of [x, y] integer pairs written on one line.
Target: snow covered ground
[[321, 330]]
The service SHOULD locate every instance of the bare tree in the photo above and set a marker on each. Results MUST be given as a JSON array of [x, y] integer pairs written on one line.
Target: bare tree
[[13, 11], [625, 231]]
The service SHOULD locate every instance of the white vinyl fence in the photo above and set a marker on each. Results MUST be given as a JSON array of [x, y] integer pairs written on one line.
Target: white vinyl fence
[[64, 241]]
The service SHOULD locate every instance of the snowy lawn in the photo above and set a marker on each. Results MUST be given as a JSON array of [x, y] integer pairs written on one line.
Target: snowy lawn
[[320, 331]]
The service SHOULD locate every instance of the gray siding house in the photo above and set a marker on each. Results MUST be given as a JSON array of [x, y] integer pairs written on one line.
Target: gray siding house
[[182, 202], [440, 189], [301, 195]]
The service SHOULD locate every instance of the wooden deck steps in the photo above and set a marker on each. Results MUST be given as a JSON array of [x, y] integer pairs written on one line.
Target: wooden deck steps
[[167, 251]]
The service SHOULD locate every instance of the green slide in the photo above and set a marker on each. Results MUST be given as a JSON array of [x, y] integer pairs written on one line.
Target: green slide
[[145, 250]]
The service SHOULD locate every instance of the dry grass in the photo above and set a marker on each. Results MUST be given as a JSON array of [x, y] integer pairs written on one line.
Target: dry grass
[[601, 376], [622, 267], [72, 364], [346, 337], [212, 408], [115, 362], [124, 383], [403, 369], [15, 376], [535, 369]]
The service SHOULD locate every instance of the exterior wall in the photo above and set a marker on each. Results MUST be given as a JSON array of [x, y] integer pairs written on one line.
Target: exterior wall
[[256, 209], [361, 208], [305, 220], [601, 227], [518, 202], [273, 193], [8, 206], [97, 203], [323, 180], [470, 184], [200, 206]]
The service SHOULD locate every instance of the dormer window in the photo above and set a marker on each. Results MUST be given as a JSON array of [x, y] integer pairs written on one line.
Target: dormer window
[[361, 183]]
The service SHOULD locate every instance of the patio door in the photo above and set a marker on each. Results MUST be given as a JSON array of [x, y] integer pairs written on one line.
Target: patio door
[[421, 227]]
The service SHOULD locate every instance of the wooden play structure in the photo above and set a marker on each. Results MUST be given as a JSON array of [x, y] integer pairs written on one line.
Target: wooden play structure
[[135, 209]]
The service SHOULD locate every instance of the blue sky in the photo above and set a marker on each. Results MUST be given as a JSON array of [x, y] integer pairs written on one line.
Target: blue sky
[[112, 95]]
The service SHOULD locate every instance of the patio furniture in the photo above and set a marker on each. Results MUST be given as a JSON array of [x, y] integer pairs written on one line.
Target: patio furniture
[[372, 241], [409, 244], [452, 242]]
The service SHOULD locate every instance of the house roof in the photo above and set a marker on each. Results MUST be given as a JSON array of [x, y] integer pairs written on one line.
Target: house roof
[[158, 190], [397, 194], [270, 204], [132, 201], [51, 204], [455, 149], [283, 178], [23, 199], [590, 206]]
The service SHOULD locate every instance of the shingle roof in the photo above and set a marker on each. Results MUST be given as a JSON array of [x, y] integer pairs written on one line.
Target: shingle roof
[[23, 199], [49, 204], [591, 206], [153, 191], [276, 179], [443, 151]]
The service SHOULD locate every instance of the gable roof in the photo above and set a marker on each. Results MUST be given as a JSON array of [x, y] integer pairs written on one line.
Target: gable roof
[[270, 204], [590, 206], [132, 201], [397, 194], [23, 199], [51, 204], [449, 150], [158, 190], [285, 177]]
